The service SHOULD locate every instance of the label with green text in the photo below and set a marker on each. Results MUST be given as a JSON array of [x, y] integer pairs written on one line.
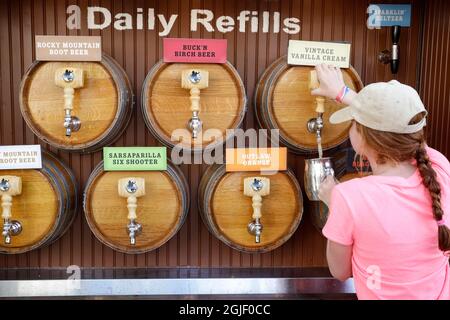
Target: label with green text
[[135, 158]]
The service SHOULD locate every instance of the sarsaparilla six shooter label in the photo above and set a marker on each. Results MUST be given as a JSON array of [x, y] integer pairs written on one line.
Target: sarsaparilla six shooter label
[[135, 158]]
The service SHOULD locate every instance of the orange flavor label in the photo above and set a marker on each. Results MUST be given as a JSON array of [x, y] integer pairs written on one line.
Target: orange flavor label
[[256, 159]]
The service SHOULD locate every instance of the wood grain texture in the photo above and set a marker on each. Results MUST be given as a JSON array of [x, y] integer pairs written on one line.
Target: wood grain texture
[[95, 104], [167, 107], [435, 73], [45, 208], [283, 101], [102, 104], [137, 51], [227, 210], [161, 210], [36, 208]]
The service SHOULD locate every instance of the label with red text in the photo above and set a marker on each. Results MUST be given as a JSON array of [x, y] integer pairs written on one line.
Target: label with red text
[[195, 50]]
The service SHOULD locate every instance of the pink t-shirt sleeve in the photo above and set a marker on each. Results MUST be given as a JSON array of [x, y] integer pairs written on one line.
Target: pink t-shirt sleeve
[[339, 226], [439, 160]]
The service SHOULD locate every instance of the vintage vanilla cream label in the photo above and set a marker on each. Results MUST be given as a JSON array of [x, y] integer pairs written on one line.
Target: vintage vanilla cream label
[[313, 53], [20, 157]]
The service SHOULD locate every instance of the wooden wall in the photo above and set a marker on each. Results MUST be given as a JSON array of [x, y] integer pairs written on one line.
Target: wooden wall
[[250, 53], [435, 73]]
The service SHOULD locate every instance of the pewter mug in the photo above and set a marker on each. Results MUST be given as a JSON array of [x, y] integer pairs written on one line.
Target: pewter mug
[[316, 170]]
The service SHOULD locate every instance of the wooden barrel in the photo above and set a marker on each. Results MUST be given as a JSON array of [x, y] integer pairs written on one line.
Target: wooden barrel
[[226, 211], [104, 104], [46, 207], [166, 105], [161, 211], [283, 101]]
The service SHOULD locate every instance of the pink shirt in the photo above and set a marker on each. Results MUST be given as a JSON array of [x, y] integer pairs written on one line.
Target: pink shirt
[[389, 222]]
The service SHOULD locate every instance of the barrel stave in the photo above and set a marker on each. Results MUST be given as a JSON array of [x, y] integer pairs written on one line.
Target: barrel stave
[[226, 211], [46, 207], [161, 211], [166, 105], [104, 104], [283, 101]]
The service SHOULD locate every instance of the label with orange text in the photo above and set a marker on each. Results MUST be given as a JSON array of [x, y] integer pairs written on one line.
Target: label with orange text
[[256, 159]]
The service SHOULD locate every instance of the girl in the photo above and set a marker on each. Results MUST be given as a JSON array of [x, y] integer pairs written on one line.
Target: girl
[[388, 230]]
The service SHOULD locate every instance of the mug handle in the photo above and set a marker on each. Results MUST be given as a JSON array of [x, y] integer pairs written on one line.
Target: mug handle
[[329, 172]]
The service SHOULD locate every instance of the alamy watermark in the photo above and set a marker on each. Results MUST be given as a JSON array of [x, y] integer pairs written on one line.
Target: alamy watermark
[[184, 152], [74, 279], [373, 282]]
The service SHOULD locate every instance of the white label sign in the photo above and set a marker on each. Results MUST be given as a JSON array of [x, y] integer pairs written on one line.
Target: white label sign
[[20, 157], [68, 48], [313, 53]]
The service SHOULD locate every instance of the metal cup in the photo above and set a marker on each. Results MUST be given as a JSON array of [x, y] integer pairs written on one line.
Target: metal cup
[[316, 170]]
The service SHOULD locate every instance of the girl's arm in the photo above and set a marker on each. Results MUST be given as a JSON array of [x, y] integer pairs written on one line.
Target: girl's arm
[[339, 259], [339, 256], [339, 232], [331, 84]]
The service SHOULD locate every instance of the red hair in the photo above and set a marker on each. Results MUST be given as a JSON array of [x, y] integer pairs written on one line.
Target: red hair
[[398, 148]]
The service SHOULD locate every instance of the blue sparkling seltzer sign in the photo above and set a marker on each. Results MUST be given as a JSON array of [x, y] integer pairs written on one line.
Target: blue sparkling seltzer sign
[[388, 15]]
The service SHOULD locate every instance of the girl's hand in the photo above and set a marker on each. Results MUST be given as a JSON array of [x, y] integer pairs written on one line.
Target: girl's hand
[[326, 187], [331, 81]]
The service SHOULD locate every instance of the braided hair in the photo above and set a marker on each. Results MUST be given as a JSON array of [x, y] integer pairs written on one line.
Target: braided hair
[[398, 148]]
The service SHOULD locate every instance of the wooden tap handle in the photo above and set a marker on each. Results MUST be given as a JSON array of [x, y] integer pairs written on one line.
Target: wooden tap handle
[[74, 81], [320, 102], [315, 84], [256, 204], [6, 206], [131, 192], [68, 98], [313, 80], [195, 99], [132, 206], [14, 188], [256, 195], [69, 83], [195, 87]]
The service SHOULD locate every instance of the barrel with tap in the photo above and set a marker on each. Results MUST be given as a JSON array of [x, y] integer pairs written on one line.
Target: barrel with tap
[[77, 106], [283, 101], [226, 208], [136, 211], [170, 107], [42, 209]]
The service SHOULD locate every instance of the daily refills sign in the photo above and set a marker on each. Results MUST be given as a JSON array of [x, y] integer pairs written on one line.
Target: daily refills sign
[[312, 53], [195, 50], [388, 15], [68, 48], [99, 18], [135, 159], [20, 157]]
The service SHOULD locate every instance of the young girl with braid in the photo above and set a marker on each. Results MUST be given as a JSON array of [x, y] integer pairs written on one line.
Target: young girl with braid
[[388, 231]]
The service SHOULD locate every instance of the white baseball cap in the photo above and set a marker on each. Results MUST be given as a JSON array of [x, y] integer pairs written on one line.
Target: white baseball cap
[[385, 106]]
